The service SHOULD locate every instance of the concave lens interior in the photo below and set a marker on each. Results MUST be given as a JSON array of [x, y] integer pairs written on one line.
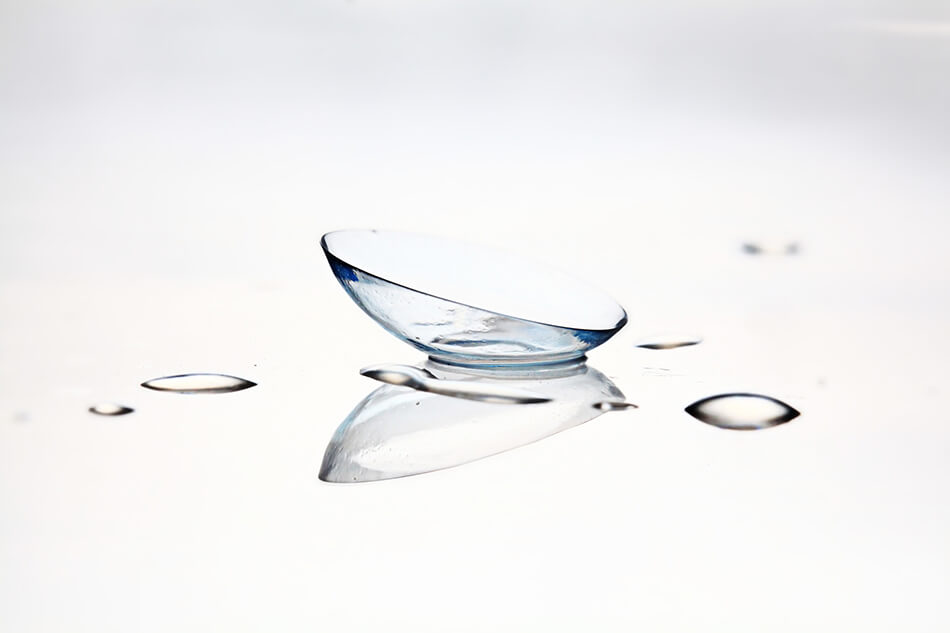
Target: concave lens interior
[[485, 278]]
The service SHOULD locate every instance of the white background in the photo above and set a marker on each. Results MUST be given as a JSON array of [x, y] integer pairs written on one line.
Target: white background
[[167, 168]]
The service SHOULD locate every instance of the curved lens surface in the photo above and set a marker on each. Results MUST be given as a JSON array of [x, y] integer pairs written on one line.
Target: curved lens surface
[[468, 304]]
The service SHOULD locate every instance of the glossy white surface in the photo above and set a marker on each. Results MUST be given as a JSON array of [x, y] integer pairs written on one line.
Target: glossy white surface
[[166, 171]]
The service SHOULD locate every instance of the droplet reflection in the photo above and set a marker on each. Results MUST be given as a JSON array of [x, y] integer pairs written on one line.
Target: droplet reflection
[[742, 411], [199, 383]]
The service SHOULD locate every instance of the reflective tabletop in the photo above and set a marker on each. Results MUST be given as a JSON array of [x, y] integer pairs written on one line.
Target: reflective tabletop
[[765, 182]]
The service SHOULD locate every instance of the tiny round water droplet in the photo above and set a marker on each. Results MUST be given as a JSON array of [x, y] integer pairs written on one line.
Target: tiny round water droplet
[[742, 411], [770, 248], [110, 408], [199, 383]]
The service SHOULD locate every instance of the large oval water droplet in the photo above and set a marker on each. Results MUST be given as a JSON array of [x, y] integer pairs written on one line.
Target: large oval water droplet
[[742, 411], [199, 383], [110, 408]]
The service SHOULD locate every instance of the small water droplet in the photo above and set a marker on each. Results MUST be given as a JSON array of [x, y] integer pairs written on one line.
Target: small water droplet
[[400, 375], [110, 408], [615, 406], [742, 411], [770, 248], [669, 341], [199, 383], [21, 417]]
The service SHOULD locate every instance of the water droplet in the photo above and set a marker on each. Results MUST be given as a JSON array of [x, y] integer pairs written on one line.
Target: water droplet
[[423, 380], [399, 375], [21, 417], [770, 248], [669, 341], [614, 406], [110, 408], [199, 383], [742, 411]]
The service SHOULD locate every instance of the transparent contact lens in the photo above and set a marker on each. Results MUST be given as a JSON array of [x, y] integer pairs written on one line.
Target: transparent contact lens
[[467, 304]]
